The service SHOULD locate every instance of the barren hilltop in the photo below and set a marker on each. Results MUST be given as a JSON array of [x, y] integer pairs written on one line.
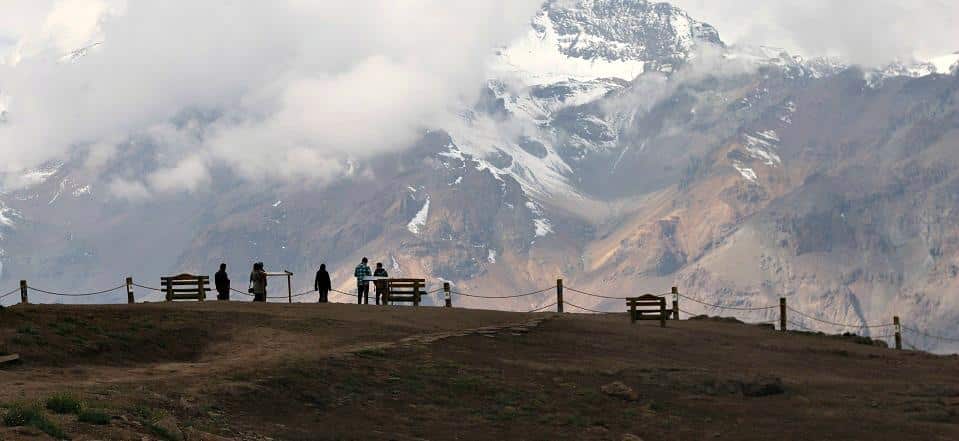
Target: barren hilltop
[[215, 370]]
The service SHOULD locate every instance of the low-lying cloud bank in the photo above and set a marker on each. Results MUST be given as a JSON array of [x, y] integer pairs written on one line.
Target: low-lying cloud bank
[[289, 88], [296, 89]]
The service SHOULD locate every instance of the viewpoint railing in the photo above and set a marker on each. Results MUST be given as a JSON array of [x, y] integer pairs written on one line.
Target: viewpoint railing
[[788, 318]]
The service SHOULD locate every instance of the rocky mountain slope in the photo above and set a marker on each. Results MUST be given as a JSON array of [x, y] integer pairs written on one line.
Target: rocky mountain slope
[[620, 144]]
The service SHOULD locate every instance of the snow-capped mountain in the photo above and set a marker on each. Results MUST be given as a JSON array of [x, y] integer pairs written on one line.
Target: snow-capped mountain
[[620, 144]]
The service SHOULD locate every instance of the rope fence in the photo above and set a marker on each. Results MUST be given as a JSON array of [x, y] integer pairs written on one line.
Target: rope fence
[[787, 315], [85, 294]]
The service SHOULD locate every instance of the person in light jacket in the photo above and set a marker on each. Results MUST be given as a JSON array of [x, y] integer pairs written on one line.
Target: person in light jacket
[[361, 273]]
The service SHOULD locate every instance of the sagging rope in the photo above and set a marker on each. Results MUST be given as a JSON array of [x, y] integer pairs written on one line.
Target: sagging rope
[[16, 290], [926, 334], [274, 297], [542, 308], [594, 295], [587, 309], [504, 297], [733, 308], [86, 294], [884, 325], [763, 308], [147, 287]]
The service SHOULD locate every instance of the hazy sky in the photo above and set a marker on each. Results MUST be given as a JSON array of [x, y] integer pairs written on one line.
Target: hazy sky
[[870, 32], [306, 84]]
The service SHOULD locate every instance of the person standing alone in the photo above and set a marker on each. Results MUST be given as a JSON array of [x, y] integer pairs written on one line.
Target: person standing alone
[[323, 284], [361, 273], [222, 281]]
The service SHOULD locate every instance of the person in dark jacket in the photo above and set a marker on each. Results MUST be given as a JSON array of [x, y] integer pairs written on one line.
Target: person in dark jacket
[[222, 281], [323, 284], [380, 285]]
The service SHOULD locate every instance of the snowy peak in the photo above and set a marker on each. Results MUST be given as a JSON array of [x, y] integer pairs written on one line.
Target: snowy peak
[[627, 30], [585, 40]]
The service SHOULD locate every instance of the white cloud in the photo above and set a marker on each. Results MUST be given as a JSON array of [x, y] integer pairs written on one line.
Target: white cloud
[[868, 32], [297, 87]]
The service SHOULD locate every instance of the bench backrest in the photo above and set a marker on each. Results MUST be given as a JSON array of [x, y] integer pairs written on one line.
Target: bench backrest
[[405, 290], [647, 307], [185, 287]]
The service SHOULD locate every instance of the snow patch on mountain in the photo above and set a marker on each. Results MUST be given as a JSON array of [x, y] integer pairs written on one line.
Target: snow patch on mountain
[[746, 172], [542, 226], [762, 145], [480, 139], [537, 59], [418, 222]]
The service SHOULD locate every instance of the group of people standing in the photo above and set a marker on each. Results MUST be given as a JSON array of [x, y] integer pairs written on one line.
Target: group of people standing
[[363, 273], [323, 284]]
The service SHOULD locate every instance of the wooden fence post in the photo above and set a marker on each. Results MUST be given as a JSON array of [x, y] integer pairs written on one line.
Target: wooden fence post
[[289, 285], [675, 303], [130, 290], [895, 322], [662, 312], [447, 295], [23, 292], [782, 314], [559, 295]]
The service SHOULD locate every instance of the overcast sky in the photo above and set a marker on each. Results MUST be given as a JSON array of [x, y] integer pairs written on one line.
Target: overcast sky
[[313, 82], [870, 32]]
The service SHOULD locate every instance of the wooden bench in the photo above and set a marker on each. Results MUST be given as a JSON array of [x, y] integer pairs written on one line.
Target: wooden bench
[[185, 287], [405, 291], [647, 307]]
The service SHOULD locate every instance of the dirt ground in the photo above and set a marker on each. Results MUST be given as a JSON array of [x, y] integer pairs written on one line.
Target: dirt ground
[[345, 372]]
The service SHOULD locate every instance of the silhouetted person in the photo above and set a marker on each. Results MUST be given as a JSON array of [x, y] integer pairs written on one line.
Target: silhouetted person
[[323, 284], [258, 282], [380, 285], [361, 272], [222, 281]]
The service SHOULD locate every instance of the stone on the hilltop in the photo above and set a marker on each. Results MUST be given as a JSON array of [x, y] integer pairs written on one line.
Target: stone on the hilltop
[[169, 425], [620, 390], [630, 437]]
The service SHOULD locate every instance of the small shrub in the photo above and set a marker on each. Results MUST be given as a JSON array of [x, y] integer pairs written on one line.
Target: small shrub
[[49, 427], [28, 330], [19, 415], [64, 403], [94, 416]]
